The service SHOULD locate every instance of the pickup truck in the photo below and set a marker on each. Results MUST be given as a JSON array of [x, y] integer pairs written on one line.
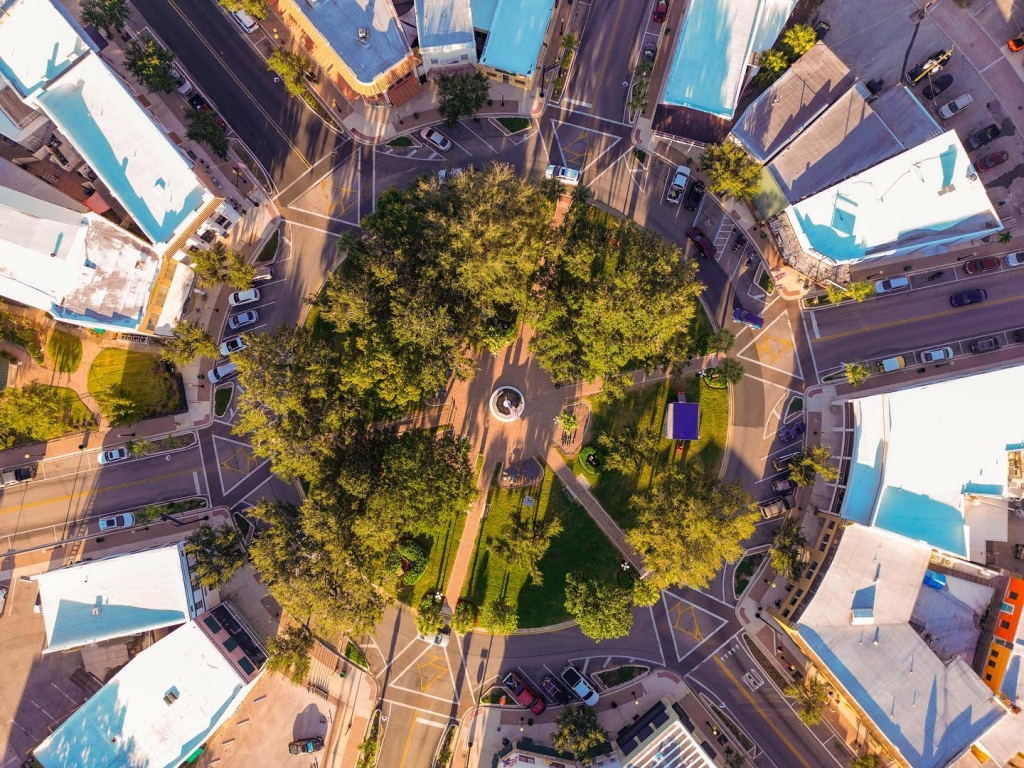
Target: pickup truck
[[524, 694], [678, 185], [15, 476]]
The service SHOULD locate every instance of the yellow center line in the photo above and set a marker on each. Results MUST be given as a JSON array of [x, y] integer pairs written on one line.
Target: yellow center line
[[408, 740], [231, 74], [608, 53], [919, 318], [763, 714], [95, 491]]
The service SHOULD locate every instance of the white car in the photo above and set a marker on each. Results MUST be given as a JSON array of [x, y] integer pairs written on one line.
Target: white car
[[892, 284], [440, 640], [248, 317], [231, 346], [565, 175], [114, 454], [1015, 259], [184, 86], [578, 685], [937, 355], [956, 106], [446, 174], [240, 298], [437, 139], [114, 522]]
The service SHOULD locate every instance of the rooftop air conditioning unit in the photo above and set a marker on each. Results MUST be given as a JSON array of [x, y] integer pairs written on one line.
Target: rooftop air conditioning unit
[[364, 35]]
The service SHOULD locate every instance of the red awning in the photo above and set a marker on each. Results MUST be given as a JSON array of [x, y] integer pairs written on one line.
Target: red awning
[[451, 69], [405, 90], [96, 203]]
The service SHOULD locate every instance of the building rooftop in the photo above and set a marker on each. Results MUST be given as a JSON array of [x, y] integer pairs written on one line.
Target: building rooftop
[[340, 21], [443, 23], [516, 34], [711, 62], [660, 738], [156, 712], [924, 196], [38, 42], [858, 624], [929, 468], [791, 103], [483, 13], [129, 152], [114, 597]]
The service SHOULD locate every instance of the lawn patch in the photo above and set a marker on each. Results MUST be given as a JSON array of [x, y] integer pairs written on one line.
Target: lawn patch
[[581, 546], [514, 124], [441, 558], [222, 399], [243, 524], [400, 141], [355, 654], [619, 675], [269, 250], [65, 351], [744, 570], [139, 376], [765, 282]]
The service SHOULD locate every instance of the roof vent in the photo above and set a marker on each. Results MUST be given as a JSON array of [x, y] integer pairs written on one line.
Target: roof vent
[[364, 35], [171, 696]]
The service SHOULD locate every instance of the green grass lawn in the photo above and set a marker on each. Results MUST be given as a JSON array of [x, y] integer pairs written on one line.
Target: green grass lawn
[[644, 409], [64, 351], [146, 381], [441, 551], [514, 124], [269, 250], [579, 547], [222, 399]]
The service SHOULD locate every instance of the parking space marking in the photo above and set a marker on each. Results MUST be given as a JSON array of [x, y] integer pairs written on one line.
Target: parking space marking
[[479, 137]]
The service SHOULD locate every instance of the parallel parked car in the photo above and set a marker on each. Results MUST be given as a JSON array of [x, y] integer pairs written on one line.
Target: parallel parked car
[[937, 86], [114, 522], [988, 344], [984, 136], [968, 297], [747, 318], [231, 346], [435, 138], [184, 87], [892, 284], [977, 266], [579, 685], [988, 162], [523, 693], [248, 317], [562, 174], [937, 355], [1015, 259], [1018, 335], [956, 106], [306, 746], [660, 11], [114, 454], [706, 247], [241, 298], [17, 475], [792, 432], [650, 52]]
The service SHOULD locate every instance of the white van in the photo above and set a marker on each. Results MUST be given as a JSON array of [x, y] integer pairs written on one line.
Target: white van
[[222, 372], [245, 21]]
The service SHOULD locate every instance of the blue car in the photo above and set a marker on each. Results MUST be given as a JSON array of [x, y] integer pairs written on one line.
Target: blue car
[[747, 318], [968, 297], [791, 433]]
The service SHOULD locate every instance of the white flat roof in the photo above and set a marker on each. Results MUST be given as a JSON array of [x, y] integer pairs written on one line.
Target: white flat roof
[[129, 152], [38, 42], [930, 710], [118, 596], [128, 722], [516, 35], [924, 196], [918, 451], [444, 23]]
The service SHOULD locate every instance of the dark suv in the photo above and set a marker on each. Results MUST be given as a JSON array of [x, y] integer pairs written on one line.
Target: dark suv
[[983, 137], [694, 196], [984, 345]]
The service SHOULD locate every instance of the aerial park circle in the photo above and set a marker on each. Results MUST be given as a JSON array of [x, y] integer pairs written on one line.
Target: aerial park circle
[[507, 404]]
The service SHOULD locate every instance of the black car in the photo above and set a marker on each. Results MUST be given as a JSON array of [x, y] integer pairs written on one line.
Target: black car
[[821, 29], [937, 86], [306, 746], [983, 137], [968, 297], [1018, 335], [988, 344], [694, 196]]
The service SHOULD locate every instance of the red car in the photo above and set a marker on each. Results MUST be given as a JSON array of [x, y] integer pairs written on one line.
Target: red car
[[660, 11], [977, 266], [991, 161], [706, 247], [1016, 43], [524, 694]]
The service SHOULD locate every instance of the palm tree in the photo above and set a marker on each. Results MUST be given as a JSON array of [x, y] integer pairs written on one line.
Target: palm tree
[[1005, 236], [856, 373], [798, 40], [106, 14], [730, 371], [581, 196], [721, 341]]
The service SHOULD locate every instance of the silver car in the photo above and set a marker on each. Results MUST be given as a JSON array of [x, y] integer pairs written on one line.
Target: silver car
[[562, 174], [114, 522], [435, 138], [937, 355]]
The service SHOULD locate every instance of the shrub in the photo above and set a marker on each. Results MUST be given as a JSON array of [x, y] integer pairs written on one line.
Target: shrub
[[429, 621], [413, 554], [584, 462], [464, 618], [499, 618]]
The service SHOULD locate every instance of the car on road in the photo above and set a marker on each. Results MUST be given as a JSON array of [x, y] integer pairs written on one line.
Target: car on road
[[937, 86], [114, 522], [792, 432], [660, 12], [248, 317], [231, 346], [305, 746], [892, 284], [435, 138], [937, 355], [579, 685], [747, 318], [968, 297], [15, 476], [977, 266], [1015, 259], [988, 162], [241, 298], [562, 174], [781, 463], [650, 52], [979, 139], [1016, 43], [112, 455], [956, 106], [524, 694], [783, 485], [706, 247], [988, 344], [694, 196]]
